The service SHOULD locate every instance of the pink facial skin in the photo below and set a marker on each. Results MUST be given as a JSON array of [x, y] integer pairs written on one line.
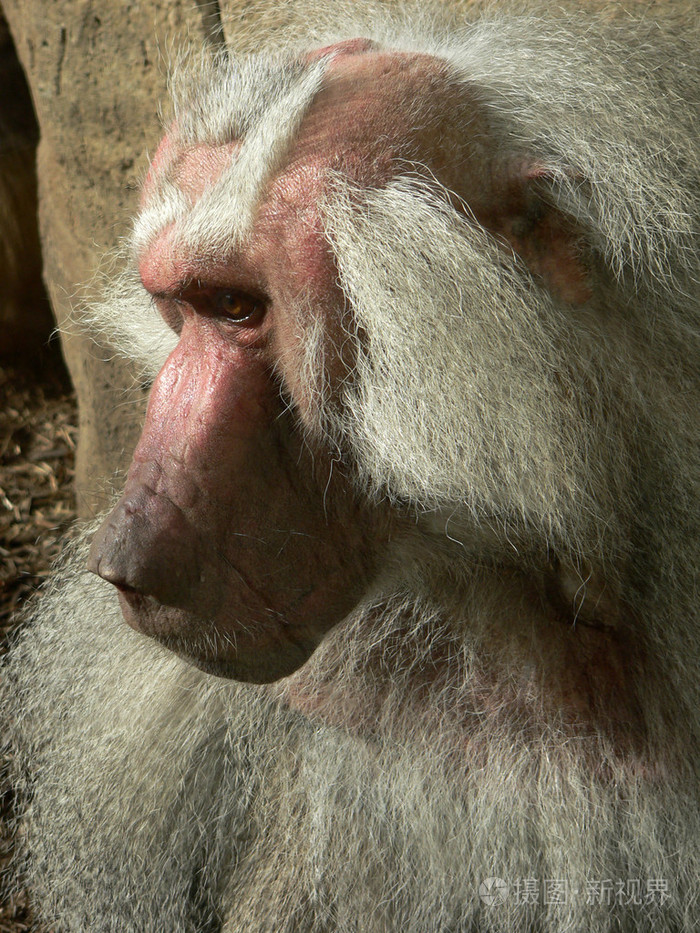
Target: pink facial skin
[[238, 541], [235, 543]]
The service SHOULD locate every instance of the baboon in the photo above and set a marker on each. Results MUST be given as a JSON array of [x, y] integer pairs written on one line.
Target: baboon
[[408, 550]]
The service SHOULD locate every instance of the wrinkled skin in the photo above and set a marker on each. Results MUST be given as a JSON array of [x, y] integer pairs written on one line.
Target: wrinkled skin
[[237, 542]]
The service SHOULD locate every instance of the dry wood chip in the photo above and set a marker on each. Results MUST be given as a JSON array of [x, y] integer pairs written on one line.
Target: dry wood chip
[[37, 506]]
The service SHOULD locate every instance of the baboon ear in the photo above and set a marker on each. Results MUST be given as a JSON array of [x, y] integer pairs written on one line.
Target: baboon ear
[[548, 241]]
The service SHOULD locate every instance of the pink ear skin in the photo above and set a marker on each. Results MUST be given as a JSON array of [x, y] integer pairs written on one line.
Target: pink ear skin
[[545, 239]]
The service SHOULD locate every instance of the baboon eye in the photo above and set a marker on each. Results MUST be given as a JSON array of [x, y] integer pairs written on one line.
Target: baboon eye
[[239, 307]]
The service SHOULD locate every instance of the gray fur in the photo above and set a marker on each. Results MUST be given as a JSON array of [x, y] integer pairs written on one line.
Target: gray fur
[[513, 428]]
